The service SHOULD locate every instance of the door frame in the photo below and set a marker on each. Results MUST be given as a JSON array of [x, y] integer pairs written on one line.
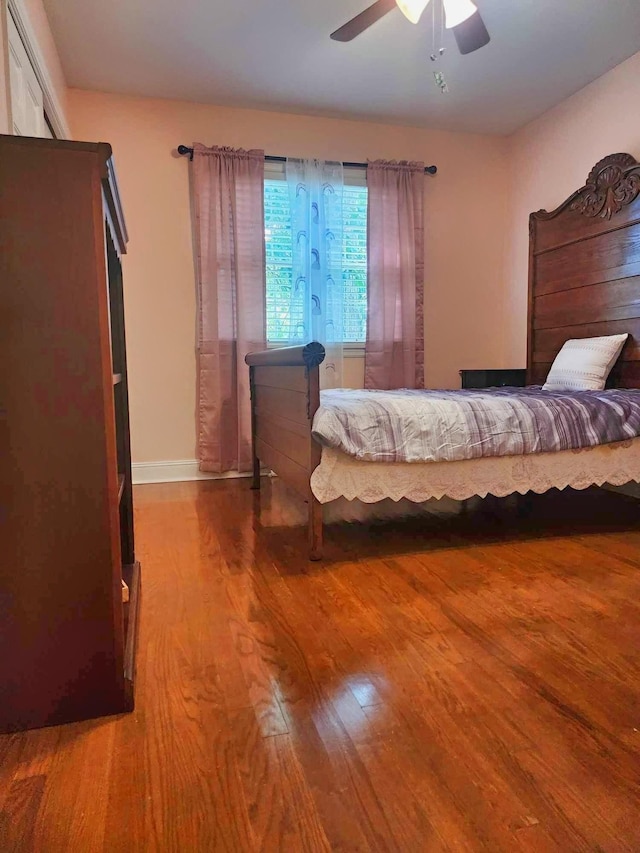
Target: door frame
[[54, 113]]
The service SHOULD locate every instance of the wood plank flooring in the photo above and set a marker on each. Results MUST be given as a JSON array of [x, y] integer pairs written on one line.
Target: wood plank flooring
[[463, 681]]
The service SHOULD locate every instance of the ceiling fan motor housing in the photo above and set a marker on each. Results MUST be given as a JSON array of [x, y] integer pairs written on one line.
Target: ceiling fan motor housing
[[471, 34]]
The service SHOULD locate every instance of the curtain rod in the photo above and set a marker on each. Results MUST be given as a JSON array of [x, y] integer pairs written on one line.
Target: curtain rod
[[183, 150]]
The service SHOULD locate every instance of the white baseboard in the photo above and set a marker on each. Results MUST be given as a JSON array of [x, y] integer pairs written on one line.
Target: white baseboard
[[174, 471]]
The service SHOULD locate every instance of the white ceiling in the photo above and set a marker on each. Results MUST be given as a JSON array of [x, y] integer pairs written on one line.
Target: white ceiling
[[278, 55]]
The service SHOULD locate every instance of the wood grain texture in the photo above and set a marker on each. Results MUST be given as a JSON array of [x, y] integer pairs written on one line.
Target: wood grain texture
[[282, 377], [285, 395], [294, 472], [61, 561], [291, 405], [584, 269], [453, 681], [63, 420], [603, 258], [620, 299]]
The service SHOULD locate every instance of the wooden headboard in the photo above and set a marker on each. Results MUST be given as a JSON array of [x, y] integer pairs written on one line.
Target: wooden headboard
[[584, 270]]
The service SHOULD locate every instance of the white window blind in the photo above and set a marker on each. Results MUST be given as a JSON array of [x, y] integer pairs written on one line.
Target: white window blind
[[277, 229]]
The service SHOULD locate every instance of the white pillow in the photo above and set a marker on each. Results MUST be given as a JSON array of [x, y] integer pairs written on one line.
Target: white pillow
[[583, 364]]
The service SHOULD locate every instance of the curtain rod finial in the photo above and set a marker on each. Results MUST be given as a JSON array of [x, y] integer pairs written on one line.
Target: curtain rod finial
[[184, 149]]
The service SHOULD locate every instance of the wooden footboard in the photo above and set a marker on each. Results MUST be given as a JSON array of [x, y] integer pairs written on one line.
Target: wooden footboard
[[285, 394]]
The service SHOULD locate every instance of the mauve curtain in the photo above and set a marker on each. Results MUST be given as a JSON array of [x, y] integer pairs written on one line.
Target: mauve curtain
[[228, 189], [394, 350]]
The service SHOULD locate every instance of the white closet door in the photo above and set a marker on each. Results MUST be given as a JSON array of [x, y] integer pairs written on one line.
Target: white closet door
[[27, 108]]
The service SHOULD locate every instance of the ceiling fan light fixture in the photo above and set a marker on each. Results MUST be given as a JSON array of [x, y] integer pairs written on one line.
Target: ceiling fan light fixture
[[412, 9], [457, 12]]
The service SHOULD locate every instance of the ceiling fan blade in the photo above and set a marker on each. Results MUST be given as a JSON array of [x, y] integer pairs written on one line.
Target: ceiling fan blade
[[364, 20], [471, 34]]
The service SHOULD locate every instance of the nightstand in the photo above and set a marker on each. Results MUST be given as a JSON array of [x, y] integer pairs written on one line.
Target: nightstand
[[512, 377]]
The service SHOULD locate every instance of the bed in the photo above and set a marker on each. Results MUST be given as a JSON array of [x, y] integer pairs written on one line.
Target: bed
[[584, 281]]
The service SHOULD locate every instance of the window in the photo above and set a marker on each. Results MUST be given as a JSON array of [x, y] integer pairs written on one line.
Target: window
[[277, 230]]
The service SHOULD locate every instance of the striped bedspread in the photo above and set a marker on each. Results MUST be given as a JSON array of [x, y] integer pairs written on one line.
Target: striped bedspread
[[446, 426]]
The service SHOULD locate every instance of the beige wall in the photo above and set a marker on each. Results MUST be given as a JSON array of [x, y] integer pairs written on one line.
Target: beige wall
[[550, 158], [465, 214]]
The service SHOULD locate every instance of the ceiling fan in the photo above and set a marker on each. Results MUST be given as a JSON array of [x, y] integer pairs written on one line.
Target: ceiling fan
[[462, 17]]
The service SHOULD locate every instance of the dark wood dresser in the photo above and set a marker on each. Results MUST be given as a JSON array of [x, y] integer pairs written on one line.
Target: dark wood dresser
[[512, 377], [67, 622]]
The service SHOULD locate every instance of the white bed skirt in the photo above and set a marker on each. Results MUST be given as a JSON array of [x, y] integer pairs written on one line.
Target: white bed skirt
[[339, 475]]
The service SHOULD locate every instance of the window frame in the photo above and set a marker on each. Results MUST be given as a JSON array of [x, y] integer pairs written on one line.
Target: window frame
[[356, 177]]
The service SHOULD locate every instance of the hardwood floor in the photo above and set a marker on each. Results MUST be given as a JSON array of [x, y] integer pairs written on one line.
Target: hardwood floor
[[461, 681]]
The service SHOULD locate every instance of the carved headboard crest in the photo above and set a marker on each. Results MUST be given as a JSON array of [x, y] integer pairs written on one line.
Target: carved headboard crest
[[612, 183], [584, 270]]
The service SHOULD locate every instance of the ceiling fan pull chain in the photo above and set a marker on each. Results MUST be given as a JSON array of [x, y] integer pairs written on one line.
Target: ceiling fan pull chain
[[433, 55], [437, 53]]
